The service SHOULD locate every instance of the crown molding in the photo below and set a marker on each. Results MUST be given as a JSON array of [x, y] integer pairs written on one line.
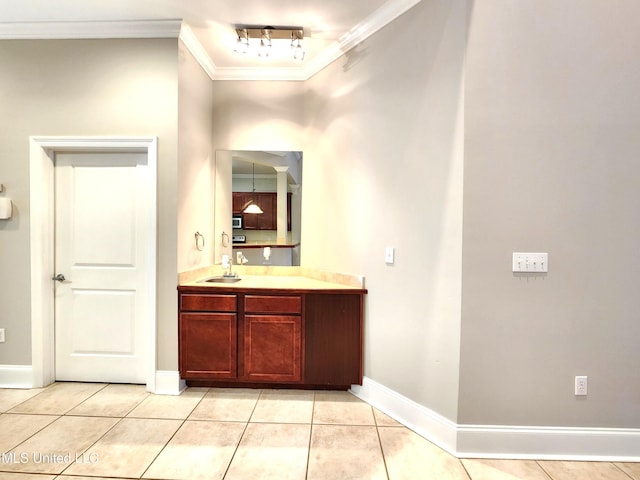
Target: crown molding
[[79, 30], [374, 22], [197, 50]]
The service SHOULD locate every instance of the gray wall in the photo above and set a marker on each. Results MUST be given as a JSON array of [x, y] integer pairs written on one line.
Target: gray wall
[[383, 167], [552, 150], [250, 115], [102, 87]]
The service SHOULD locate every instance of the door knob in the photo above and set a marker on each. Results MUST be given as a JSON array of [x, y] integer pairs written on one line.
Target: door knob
[[59, 278]]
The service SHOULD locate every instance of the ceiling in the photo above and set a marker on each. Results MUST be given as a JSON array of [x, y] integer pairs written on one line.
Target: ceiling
[[207, 27]]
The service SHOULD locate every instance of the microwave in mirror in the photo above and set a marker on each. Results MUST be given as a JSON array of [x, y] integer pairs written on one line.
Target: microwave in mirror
[[236, 221]]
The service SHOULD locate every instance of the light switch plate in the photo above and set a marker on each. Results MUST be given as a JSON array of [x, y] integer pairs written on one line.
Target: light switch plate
[[389, 255], [1, 335], [530, 262]]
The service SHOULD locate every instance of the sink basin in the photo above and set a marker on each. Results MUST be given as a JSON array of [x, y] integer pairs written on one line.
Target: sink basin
[[221, 279]]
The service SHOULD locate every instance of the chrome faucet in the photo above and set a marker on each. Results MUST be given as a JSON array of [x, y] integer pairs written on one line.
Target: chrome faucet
[[227, 264]]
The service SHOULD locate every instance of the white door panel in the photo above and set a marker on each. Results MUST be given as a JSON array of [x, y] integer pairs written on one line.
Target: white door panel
[[101, 233]]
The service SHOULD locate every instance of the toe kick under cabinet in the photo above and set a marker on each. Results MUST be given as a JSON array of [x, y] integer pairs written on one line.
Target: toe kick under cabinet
[[297, 339]]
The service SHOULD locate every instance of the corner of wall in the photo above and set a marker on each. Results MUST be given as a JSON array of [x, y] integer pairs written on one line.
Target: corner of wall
[[503, 441]]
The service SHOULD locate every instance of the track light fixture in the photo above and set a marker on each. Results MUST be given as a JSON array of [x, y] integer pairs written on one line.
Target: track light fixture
[[263, 40]]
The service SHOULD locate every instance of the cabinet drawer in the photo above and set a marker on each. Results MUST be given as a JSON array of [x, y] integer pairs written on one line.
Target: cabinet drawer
[[208, 303], [272, 304]]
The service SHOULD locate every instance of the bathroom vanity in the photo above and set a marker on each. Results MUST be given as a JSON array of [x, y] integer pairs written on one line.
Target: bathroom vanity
[[277, 331]]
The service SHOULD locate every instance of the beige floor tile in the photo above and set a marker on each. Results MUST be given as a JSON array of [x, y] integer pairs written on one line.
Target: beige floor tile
[[226, 405], [28, 476], [341, 408], [561, 470], [69, 477], [112, 401], [271, 451], [631, 469], [284, 406], [341, 452], [128, 449], [169, 406], [59, 398], [409, 456], [11, 397], [504, 469], [383, 420], [56, 446], [16, 428], [199, 450]]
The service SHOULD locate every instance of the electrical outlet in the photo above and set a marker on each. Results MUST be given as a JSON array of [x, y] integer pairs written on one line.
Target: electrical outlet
[[581, 385], [2, 335]]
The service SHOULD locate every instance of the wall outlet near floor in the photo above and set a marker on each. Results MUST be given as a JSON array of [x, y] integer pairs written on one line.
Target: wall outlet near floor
[[1, 335], [581, 385]]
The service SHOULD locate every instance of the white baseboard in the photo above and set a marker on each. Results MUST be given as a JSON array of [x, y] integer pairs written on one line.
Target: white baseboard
[[549, 443], [168, 382], [16, 376], [425, 422], [500, 441]]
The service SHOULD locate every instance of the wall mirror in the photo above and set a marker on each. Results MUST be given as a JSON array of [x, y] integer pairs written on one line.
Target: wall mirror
[[272, 180]]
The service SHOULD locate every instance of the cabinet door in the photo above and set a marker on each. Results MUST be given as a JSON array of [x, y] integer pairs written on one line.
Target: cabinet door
[[333, 339], [208, 345], [272, 348], [238, 201], [268, 220]]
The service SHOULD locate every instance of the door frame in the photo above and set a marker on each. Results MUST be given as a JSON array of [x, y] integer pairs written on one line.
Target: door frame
[[42, 150]]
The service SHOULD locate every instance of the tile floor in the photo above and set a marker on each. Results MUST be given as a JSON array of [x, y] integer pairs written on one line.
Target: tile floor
[[86, 431]]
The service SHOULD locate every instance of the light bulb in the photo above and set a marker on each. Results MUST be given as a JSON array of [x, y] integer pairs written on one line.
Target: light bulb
[[241, 46], [298, 53], [263, 51]]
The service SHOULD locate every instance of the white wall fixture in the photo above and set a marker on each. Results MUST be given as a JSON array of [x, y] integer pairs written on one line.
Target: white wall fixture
[[389, 255], [263, 40], [6, 208], [530, 262], [581, 385]]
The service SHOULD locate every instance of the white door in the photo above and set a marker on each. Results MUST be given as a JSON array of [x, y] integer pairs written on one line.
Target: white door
[[101, 233]]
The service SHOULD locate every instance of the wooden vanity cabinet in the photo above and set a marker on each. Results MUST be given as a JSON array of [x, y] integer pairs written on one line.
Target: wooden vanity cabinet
[[302, 339]]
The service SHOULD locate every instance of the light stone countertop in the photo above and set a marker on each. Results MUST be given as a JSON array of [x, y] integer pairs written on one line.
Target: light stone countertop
[[284, 278], [277, 282]]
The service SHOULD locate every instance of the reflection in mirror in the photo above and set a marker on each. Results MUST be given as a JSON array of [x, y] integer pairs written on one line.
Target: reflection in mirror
[[271, 180]]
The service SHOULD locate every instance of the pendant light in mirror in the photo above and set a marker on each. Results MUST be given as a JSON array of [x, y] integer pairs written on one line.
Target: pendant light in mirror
[[251, 206]]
